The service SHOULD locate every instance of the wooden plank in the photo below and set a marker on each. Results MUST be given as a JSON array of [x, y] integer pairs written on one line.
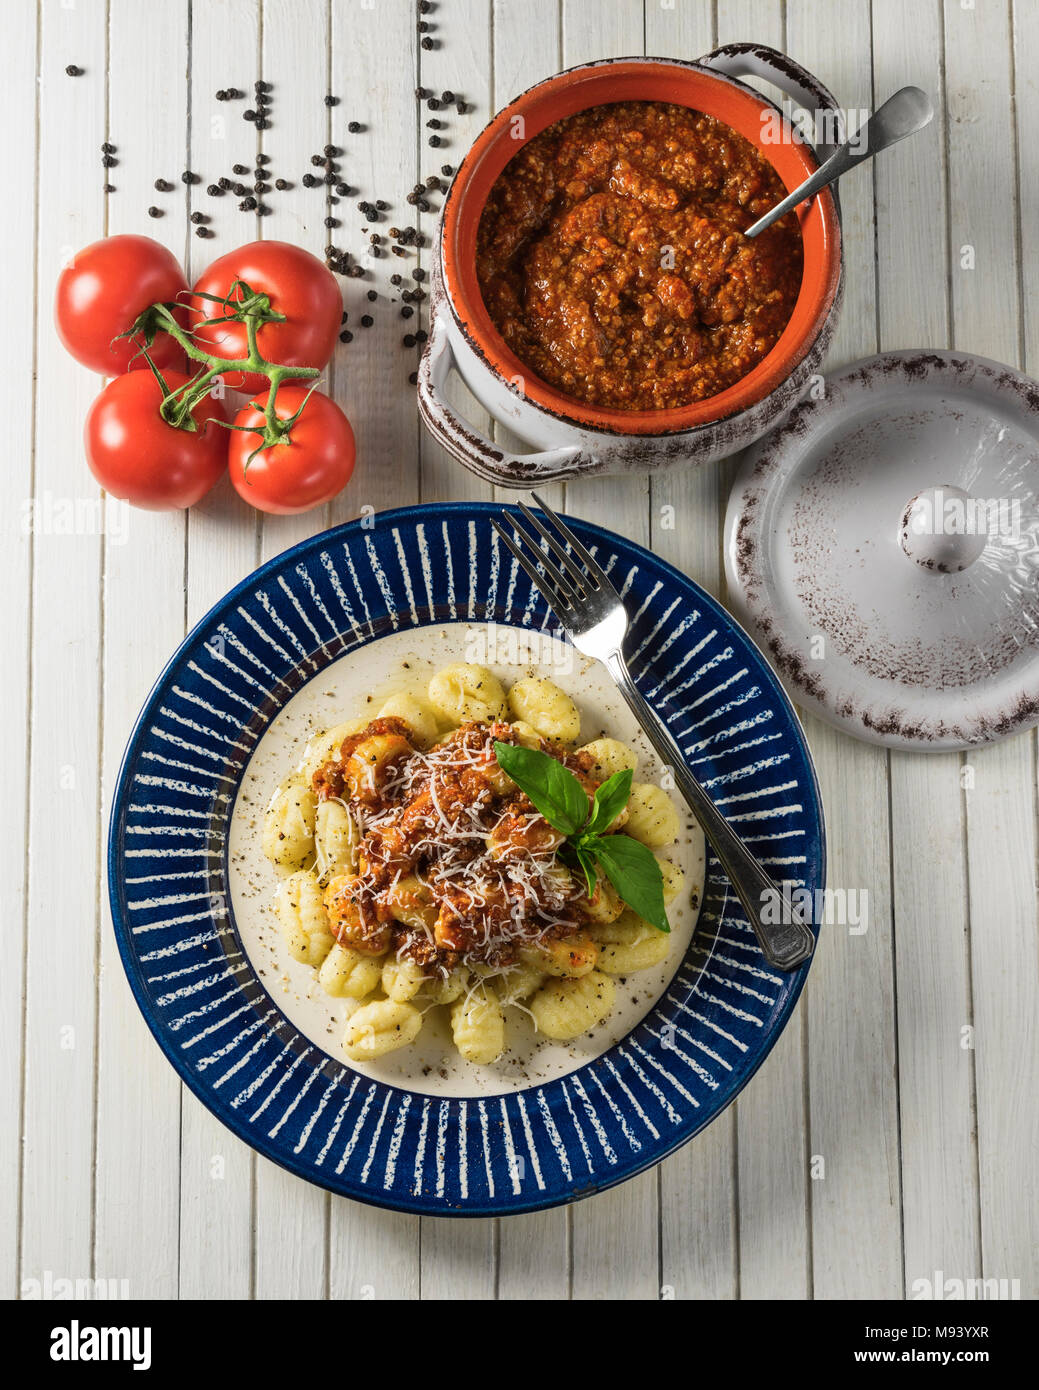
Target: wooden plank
[[939, 1162], [698, 1191], [16, 575], [985, 200], [65, 798], [771, 1122], [461, 62], [856, 1206], [615, 1236], [375, 1254], [459, 1258], [534, 1250], [137, 1181], [217, 1176], [292, 1216]]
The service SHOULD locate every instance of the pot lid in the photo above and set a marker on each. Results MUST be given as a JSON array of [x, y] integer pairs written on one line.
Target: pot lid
[[883, 544]]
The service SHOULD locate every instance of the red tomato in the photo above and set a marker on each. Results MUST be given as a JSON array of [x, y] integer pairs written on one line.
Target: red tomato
[[307, 468], [299, 286], [101, 293], [134, 453]]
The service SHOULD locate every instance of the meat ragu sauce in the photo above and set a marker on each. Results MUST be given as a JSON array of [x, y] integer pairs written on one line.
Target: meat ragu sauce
[[454, 860], [611, 258]]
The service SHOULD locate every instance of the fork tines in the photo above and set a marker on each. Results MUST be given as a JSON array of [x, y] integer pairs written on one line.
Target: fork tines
[[571, 582]]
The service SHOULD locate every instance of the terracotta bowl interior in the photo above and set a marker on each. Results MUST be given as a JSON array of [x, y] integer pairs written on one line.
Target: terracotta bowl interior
[[636, 80]]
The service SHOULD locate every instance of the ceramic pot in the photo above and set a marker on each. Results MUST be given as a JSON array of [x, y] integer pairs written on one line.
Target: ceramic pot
[[569, 437]]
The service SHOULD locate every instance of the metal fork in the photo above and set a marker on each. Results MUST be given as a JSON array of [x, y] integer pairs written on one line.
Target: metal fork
[[593, 615]]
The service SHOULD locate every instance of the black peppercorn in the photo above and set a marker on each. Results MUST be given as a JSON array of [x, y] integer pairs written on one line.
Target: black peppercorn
[[421, 335], [461, 107], [346, 336], [413, 378], [427, 42], [373, 295], [198, 217], [189, 177], [418, 273], [331, 221], [221, 95], [108, 188], [247, 204], [108, 161], [239, 168], [260, 86], [262, 124], [435, 141], [262, 210], [154, 212], [434, 124], [214, 190], [282, 184], [107, 148], [332, 151], [239, 190], [421, 93], [162, 186], [74, 71], [355, 127], [249, 114], [447, 170], [330, 100], [309, 181], [366, 320], [409, 340], [407, 312], [447, 98], [344, 190], [263, 158], [395, 279], [398, 250], [433, 104], [203, 231]]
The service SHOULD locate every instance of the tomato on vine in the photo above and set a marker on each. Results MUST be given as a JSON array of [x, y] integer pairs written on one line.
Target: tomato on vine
[[136, 454], [102, 292], [307, 465], [304, 311]]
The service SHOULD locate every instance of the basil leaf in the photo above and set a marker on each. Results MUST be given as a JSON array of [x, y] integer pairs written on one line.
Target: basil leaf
[[576, 855], [610, 800], [553, 788], [635, 873]]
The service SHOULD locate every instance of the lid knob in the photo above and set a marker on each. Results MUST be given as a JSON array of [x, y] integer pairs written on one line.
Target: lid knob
[[942, 530]]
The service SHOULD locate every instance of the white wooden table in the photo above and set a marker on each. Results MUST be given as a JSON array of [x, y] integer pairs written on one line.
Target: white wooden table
[[894, 1132]]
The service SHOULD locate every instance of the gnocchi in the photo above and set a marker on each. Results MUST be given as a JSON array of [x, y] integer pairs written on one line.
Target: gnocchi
[[652, 816], [548, 710], [564, 1009], [466, 691], [375, 1029], [350, 813]]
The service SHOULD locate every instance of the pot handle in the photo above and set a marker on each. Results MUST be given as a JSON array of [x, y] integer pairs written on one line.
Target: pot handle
[[469, 445], [803, 87]]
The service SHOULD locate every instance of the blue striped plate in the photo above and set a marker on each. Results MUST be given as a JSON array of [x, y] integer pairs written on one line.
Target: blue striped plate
[[223, 1031]]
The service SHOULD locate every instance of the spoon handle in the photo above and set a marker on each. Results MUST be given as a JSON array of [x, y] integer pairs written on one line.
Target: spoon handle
[[909, 110]]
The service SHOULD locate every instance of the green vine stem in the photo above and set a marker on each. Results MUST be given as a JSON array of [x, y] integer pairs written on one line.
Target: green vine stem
[[251, 309]]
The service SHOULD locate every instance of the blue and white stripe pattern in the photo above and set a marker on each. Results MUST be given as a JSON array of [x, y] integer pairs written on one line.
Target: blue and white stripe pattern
[[224, 1033]]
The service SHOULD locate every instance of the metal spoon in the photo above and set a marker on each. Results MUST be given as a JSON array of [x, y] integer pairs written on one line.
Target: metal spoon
[[907, 111]]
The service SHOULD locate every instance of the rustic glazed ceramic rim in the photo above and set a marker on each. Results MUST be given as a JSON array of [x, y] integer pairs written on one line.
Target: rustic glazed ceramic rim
[[639, 79]]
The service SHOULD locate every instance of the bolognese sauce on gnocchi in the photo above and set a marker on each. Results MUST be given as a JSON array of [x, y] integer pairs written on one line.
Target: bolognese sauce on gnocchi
[[415, 874]]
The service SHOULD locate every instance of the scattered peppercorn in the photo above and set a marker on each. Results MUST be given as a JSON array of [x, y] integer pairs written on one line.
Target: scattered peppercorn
[[421, 93], [154, 212], [396, 279], [262, 210], [108, 161], [198, 217], [107, 148], [435, 141], [433, 104], [249, 114], [346, 336], [239, 190], [355, 127], [316, 160], [309, 181], [418, 273], [344, 190], [162, 186], [398, 250], [413, 378], [332, 151], [214, 190], [260, 86], [447, 98], [373, 295], [461, 107], [447, 170], [262, 158], [262, 124], [331, 221], [74, 71], [409, 340], [247, 204], [407, 312], [421, 335], [233, 94], [260, 187], [108, 188], [330, 100], [434, 124], [189, 177], [203, 231], [221, 95], [329, 178], [239, 168], [366, 320], [282, 184]]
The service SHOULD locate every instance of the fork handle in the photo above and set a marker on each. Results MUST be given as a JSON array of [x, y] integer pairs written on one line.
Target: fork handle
[[786, 943]]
